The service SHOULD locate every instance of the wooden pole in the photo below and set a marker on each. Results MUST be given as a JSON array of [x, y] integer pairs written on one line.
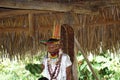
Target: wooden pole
[[78, 45], [32, 30], [31, 24]]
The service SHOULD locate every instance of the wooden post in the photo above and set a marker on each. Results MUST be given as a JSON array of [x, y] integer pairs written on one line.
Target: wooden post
[[32, 30], [78, 45], [31, 25]]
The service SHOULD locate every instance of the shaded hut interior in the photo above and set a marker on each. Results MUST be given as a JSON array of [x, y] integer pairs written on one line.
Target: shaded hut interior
[[23, 23]]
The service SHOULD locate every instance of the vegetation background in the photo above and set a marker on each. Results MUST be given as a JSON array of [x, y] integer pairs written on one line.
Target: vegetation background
[[106, 66]]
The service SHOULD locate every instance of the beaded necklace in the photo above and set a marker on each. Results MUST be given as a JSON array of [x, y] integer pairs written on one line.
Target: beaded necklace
[[54, 56], [54, 73]]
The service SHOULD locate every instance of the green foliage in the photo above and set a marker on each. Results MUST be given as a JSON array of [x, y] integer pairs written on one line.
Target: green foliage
[[105, 66], [16, 71], [35, 69], [27, 69], [84, 72]]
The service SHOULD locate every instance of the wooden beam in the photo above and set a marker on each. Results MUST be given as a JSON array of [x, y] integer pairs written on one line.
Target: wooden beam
[[13, 13], [14, 29], [82, 7], [49, 6], [33, 5], [19, 12], [104, 23]]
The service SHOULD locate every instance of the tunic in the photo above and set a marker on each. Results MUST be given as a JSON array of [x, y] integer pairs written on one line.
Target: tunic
[[65, 62]]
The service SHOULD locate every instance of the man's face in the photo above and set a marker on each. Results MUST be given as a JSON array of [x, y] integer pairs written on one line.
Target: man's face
[[53, 48]]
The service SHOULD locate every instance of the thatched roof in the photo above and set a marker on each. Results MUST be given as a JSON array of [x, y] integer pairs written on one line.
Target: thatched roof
[[24, 22]]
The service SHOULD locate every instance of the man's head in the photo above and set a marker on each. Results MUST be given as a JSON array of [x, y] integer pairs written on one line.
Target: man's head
[[53, 45]]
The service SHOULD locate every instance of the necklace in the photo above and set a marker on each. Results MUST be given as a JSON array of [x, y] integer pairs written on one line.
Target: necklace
[[54, 73], [53, 57]]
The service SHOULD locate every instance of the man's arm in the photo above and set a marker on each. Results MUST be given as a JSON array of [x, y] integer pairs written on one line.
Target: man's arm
[[69, 72]]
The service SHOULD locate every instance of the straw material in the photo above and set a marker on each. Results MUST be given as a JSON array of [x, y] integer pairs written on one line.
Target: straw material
[[92, 31]]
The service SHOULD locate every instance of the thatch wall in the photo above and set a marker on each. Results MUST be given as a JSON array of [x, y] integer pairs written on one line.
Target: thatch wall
[[22, 30]]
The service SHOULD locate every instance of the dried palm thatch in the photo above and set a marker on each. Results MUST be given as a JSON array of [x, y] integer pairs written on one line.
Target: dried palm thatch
[[12, 40], [21, 33], [14, 43], [99, 30]]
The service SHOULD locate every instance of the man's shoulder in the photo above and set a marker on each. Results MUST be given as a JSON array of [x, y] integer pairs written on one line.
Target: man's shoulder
[[66, 60], [65, 55]]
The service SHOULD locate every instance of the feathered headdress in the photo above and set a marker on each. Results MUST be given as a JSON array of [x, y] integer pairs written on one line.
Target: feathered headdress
[[55, 35], [56, 31]]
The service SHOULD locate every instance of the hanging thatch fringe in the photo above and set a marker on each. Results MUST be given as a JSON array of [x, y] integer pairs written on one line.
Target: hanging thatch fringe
[[14, 44]]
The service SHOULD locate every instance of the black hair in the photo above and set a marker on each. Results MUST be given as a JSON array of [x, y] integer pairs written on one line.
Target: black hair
[[43, 78], [52, 40]]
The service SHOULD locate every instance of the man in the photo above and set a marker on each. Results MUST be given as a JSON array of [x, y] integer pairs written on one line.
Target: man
[[57, 65]]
